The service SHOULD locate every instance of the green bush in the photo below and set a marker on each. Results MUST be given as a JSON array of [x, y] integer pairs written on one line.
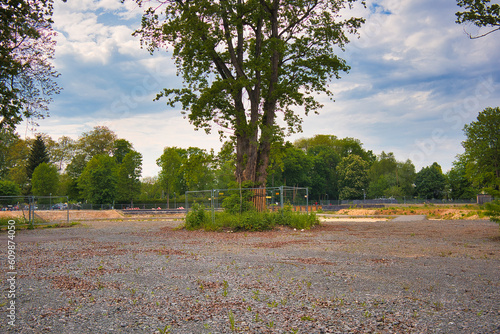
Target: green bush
[[197, 217], [250, 220], [236, 204]]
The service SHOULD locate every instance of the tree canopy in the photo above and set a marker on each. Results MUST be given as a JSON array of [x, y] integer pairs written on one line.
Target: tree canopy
[[480, 13], [27, 78], [430, 182], [482, 150], [38, 155], [45, 180], [245, 63]]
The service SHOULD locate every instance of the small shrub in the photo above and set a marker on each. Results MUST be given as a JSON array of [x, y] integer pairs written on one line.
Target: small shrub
[[197, 217], [493, 210], [236, 204]]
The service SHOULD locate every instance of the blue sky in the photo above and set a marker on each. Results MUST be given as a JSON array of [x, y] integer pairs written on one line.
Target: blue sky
[[416, 79]]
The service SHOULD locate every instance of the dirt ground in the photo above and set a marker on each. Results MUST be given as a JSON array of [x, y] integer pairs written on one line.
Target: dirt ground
[[348, 275]]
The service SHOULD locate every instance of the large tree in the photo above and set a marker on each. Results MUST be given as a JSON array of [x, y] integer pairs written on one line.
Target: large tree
[[98, 182], [27, 78], [482, 150], [247, 62], [38, 155], [170, 176], [480, 13], [45, 180], [353, 178], [430, 182], [129, 173]]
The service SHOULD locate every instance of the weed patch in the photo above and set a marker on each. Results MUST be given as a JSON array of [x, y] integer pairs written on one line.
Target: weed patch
[[199, 218]]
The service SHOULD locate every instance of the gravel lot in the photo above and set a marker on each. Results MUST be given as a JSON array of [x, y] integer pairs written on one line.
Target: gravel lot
[[346, 276]]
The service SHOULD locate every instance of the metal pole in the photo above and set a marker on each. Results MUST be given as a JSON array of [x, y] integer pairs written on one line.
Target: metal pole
[[67, 209], [212, 205], [307, 200], [281, 196]]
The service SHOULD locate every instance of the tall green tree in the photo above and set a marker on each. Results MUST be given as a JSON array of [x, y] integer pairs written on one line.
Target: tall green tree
[[297, 166], [481, 13], [150, 188], [38, 155], [170, 176], [197, 169], [27, 77], [62, 152], [482, 150], [352, 172], [121, 147], [100, 140], [129, 173], [45, 180], [245, 63], [348, 146], [391, 178], [324, 183], [98, 181], [430, 183], [460, 186]]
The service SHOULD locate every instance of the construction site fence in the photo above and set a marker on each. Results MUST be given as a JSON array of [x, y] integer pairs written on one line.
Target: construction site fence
[[271, 198]]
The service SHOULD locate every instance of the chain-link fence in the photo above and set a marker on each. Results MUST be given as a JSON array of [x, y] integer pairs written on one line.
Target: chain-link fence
[[34, 210], [272, 198]]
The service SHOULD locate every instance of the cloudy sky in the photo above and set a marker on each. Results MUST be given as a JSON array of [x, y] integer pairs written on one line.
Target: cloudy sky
[[416, 79]]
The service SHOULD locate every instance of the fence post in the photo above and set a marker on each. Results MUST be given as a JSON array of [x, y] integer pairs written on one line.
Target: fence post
[[281, 197], [32, 222], [307, 200], [212, 204], [67, 209]]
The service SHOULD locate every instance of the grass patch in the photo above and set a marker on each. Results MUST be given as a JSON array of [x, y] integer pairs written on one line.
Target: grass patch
[[251, 220]]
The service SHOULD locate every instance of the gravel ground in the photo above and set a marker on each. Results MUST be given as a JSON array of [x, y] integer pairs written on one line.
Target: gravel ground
[[346, 276]]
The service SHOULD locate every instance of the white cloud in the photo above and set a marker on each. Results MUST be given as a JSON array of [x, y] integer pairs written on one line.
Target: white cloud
[[84, 33]]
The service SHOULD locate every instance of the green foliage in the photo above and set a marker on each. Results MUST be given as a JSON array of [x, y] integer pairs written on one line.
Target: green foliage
[[236, 204], [38, 155], [98, 182], [27, 78], [481, 13], [430, 182], [390, 178], [244, 64], [493, 210], [352, 174], [461, 187], [9, 188], [482, 150], [129, 172], [45, 180], [101, 140], [197, 217], [121, 148]]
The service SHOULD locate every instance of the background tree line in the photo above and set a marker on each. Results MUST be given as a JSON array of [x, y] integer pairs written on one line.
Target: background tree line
[[101, 168], [97, 168]]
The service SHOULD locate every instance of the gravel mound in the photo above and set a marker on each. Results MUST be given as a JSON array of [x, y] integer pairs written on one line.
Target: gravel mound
[[342, 277]]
